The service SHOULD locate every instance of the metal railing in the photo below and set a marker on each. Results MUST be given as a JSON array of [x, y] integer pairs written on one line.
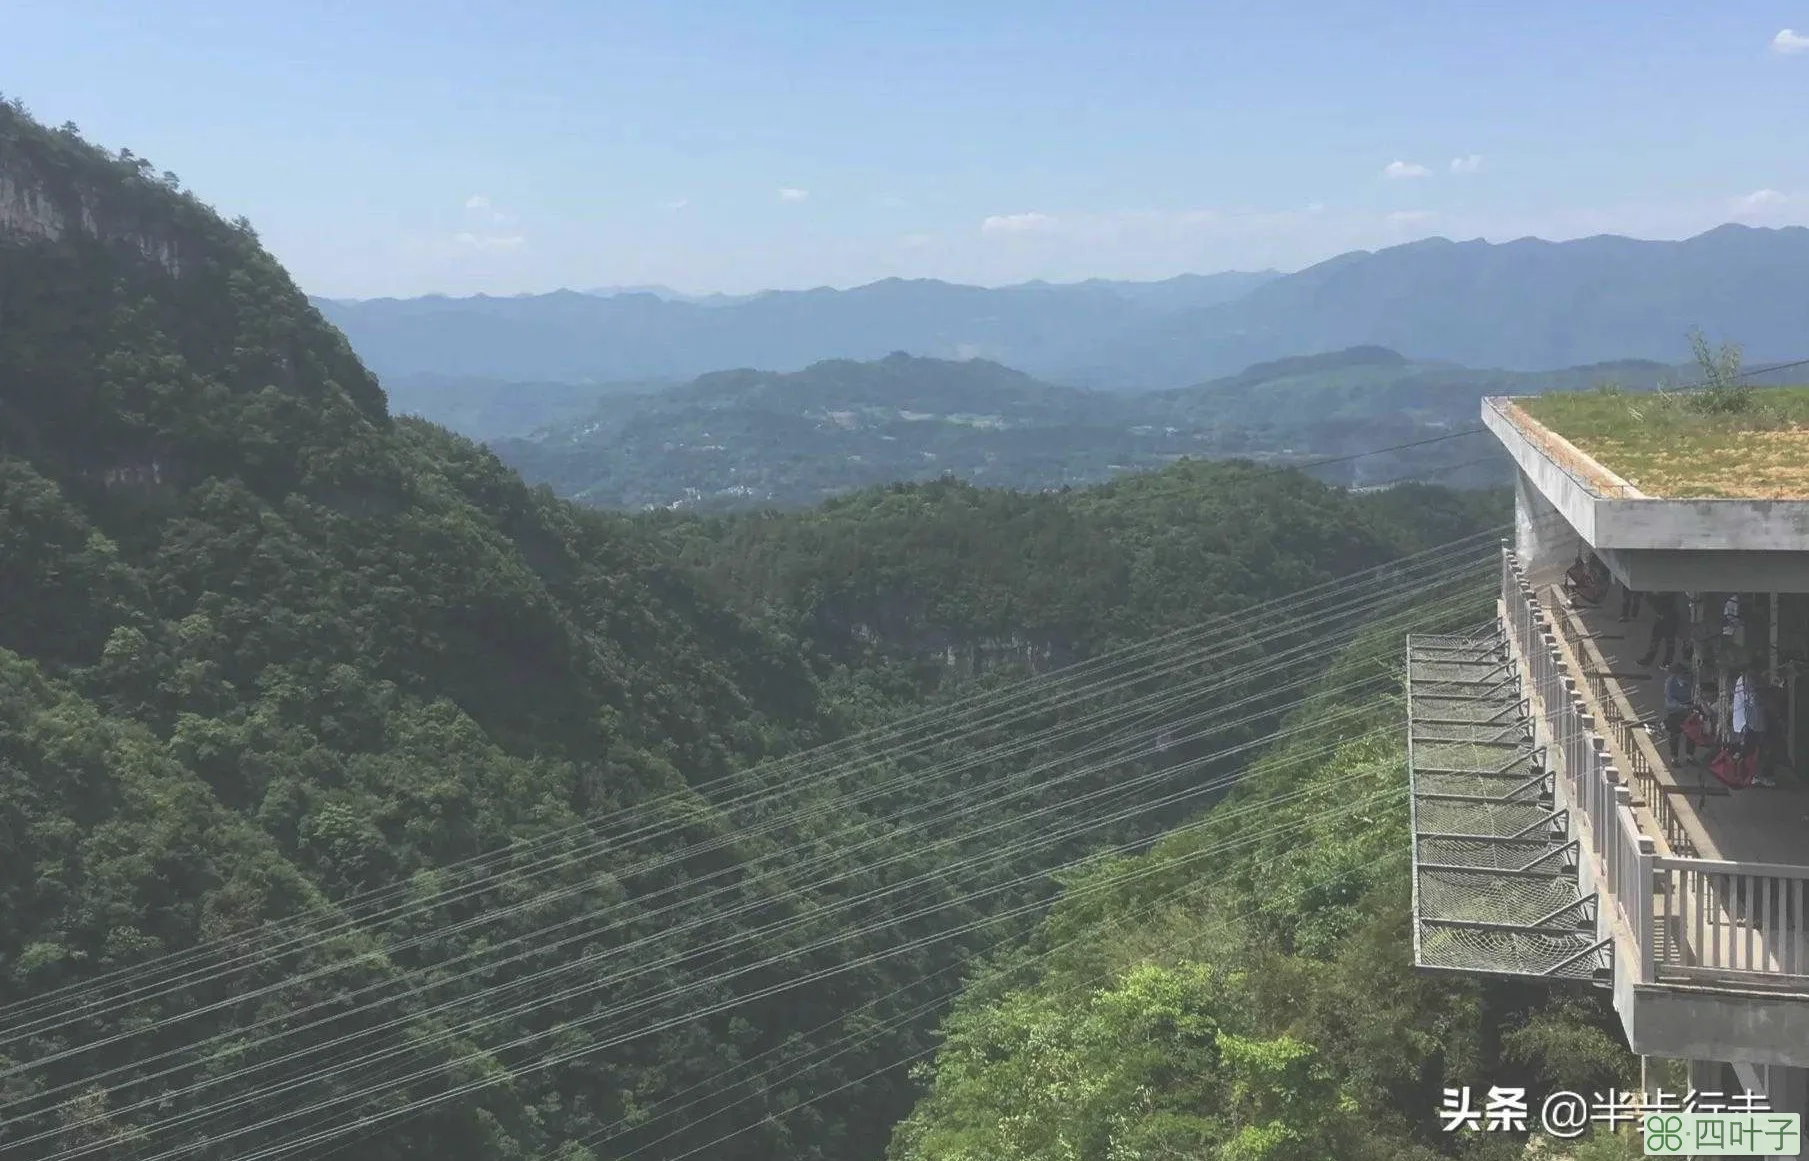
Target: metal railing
[[1701, 920], [1633, 747], [1721, 919], [1600, 804]]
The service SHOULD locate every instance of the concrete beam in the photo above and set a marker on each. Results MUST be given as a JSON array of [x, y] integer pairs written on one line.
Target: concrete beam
[[1650, 543], [1709, 572], [1543, 539], [1695, 1023], [1561, 490], [1780, 526]]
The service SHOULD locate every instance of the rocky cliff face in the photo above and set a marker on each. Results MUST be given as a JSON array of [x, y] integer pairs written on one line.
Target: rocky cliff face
[[38, 202], [137, 329]]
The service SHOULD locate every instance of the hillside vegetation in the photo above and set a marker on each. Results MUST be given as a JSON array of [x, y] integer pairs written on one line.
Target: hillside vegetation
[[1245, 991], [746, 439], [486, 409], [1061, 576]]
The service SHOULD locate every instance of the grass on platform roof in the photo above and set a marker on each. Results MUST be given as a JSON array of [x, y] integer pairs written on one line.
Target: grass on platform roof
[[1667, 444]]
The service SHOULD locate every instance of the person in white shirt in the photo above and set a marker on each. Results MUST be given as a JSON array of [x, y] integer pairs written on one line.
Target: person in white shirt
[[1749, 717]]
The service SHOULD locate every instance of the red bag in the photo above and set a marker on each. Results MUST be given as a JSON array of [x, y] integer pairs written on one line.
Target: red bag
[[1734, 771], [1695, 729]]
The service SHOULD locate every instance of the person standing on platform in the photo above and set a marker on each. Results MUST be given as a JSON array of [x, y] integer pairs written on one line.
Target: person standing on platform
[[1749, 721], [1665, 623]]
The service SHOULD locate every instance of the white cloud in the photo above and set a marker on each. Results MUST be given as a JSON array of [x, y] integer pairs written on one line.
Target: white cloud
[[1789, 40], [1469, 163], [479, 204], [793, 194], [1411, 217], [489, 242], [916, 241], [892, 202], [1760, 198], [1762, 203], [675, 205], [1028, 223], [1400, 169]]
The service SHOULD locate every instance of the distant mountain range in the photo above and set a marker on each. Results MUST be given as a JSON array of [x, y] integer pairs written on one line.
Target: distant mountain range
[[749, 438], [1527, 305], [572, 336], [1524, 305]]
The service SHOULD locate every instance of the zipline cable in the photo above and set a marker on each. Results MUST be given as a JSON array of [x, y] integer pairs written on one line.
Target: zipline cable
[[871, 792], [1174, 639], [1149, 807]]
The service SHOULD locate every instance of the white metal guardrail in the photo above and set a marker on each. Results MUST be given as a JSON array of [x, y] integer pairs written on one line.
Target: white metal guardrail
[[1705, 921]]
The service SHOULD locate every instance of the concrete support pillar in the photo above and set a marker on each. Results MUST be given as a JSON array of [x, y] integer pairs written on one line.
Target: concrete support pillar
[[1708, 1076], [1542, 538], [1771, 661], [1790, 719], [1788, 1089]]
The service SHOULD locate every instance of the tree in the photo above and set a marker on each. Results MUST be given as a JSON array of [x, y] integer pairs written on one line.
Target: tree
[[1724, 388]]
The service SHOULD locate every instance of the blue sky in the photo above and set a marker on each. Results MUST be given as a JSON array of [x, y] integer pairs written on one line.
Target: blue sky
[[403, 147]]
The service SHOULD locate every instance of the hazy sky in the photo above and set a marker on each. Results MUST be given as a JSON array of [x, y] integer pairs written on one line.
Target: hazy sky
[[404, 147]]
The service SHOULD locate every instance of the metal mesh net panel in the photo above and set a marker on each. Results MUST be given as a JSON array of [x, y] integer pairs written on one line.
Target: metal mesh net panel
[[1495, 891], [1473, 757], [1506, 856], [1480, 896], [1436, 710], [1448, 670], [1513, 735], [1484, 953], [1499, 786], [1503, 819]]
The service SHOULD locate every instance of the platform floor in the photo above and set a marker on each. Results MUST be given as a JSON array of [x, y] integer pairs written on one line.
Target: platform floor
[[1757, 824]]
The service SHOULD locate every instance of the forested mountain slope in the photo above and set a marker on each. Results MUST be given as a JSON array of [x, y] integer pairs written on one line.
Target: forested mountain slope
[[1244, 990], [353, 794], [265, 648], [486, 409], [746, 439], [982, 574]]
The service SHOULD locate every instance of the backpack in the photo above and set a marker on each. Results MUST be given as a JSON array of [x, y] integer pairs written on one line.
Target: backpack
[[1583, 584]]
